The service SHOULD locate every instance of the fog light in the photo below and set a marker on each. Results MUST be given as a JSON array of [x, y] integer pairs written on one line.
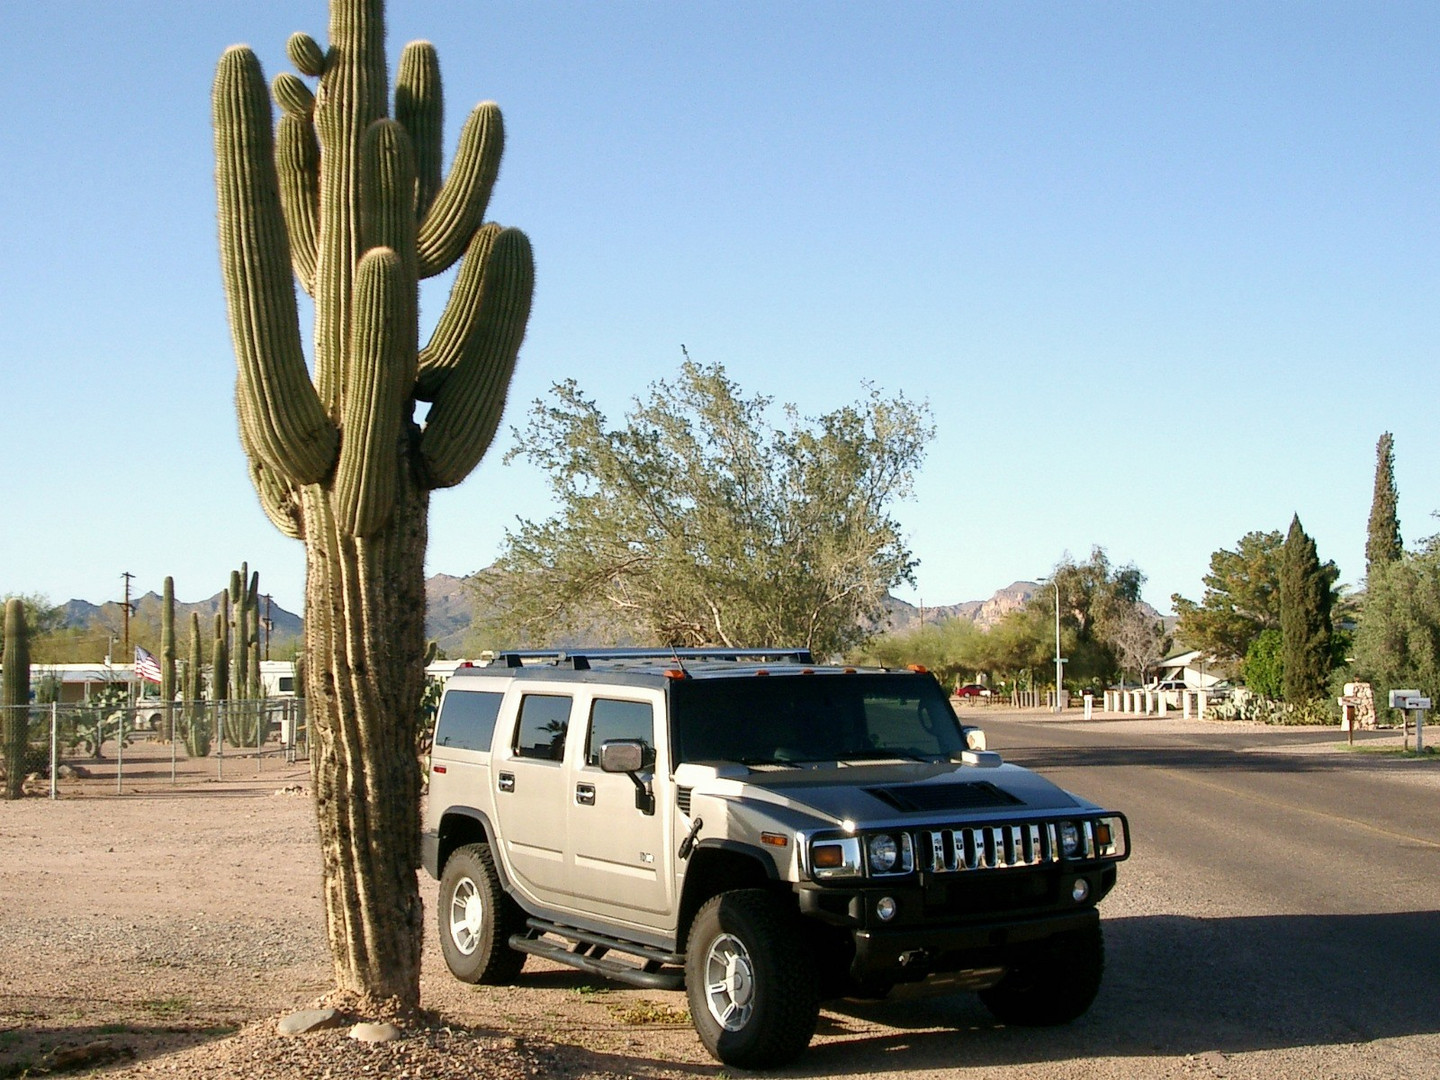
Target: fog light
[[1080, 890], [885, 907]]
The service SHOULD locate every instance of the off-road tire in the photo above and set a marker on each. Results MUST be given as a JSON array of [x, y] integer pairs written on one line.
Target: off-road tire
[[754, 997], [1051, 983], [476, 918]]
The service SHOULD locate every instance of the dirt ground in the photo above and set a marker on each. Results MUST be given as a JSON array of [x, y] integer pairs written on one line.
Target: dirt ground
[[164, 931]]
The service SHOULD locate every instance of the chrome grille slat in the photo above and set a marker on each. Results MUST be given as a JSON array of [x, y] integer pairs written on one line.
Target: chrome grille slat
[[987, 847]]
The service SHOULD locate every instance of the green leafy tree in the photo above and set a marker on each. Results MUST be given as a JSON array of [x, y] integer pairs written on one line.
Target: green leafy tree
[[1096, 599], [698, 523], [1382, 542], [1263, 668], [1307, 596], [1397, 639], [954, 650], [42, 619], [1022, 645], [353, 204], [1241, 599]]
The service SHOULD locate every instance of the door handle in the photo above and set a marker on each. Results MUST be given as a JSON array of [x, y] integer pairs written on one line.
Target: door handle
[[507, 781], [585, 794]]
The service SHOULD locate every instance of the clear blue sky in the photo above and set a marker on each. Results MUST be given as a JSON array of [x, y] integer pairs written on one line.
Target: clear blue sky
[[1164, 271]]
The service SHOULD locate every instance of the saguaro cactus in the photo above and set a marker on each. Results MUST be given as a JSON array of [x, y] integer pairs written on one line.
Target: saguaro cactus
[[15, 696], [197, 729], [353, 203], [167, 657]]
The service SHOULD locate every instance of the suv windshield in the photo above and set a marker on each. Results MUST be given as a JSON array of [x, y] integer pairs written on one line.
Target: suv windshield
[[780, 719]]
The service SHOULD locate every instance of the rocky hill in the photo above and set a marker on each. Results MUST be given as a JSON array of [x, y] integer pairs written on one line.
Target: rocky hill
[[449, 610], [983, 613]]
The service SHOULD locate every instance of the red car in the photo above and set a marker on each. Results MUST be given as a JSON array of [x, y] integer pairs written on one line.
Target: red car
[[972, 690]]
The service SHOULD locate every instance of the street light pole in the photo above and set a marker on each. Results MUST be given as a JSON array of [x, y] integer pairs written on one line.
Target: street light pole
[[1059, 660]]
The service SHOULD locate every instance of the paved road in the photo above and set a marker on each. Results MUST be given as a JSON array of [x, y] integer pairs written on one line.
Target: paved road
[[1280, 917]]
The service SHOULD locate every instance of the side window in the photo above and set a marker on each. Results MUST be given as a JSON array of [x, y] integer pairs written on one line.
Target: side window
[[540, 731], [287, 684], [619, 720], [467, 719]]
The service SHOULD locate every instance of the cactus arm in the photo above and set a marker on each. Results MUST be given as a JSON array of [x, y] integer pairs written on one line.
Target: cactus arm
[[457, 322], [290, 431], [305, 53], [468, 404], [420, 108], [352, 96], [297, 160], [376, 399], [459, 208], [278, 497], [387, 193]]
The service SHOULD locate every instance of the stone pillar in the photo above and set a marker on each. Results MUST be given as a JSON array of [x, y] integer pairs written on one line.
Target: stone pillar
[[1201, 700], [1162, 705], [1089, 705], [1185, 704]]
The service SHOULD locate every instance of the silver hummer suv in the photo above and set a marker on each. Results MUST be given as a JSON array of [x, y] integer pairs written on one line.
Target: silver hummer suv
[[765, 831]]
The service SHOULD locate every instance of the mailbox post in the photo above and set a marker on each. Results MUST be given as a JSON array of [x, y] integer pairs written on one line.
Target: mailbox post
[[1411, 701]]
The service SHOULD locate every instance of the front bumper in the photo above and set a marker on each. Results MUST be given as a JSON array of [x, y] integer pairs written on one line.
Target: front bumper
[[908, 954]]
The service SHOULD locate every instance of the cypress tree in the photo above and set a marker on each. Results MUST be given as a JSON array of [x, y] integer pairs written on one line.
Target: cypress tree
[[1306, 597], [1382, 545]]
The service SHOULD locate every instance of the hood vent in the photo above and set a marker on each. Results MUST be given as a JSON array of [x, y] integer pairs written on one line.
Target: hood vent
[[928, 798]]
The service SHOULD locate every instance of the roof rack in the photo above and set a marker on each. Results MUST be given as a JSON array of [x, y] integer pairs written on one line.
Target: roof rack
[[580, 658]]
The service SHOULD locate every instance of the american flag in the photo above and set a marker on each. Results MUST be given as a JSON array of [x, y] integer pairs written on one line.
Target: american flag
[[146, 666]]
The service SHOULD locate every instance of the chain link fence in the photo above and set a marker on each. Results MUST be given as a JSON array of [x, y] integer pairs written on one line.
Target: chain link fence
[[50, 743]]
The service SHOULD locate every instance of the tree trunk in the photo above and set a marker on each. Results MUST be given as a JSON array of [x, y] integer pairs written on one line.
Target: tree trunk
[[365, 645]]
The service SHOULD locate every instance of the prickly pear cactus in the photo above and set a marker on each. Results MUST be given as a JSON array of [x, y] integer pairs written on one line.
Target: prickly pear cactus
[[352, 203], [15, 697]]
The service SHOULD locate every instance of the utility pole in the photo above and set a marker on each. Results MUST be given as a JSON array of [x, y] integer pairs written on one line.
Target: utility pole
[[1059, 660], [127, 576]]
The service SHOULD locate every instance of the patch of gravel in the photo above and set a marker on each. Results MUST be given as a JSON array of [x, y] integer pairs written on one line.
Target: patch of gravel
[[433, 1053]]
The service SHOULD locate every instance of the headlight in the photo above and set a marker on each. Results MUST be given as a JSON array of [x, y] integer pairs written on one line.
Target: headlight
[[837, 858], [1069, 839], [884, 853], [890, 854]]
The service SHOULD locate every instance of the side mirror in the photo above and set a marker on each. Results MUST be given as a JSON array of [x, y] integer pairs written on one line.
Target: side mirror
[[974, 738], [624, 756], [629, 756]]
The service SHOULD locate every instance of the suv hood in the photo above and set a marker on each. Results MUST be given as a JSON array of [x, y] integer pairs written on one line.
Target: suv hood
[[900, 793]]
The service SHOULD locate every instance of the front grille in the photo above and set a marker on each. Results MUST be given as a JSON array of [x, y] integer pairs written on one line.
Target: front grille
[[997, 847]]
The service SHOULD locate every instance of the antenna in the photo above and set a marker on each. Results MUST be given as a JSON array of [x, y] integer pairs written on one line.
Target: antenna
[[675, 649]]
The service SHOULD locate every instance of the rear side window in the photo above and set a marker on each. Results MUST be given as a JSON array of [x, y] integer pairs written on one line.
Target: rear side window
[[467, 719], [619, 720], [540, 732]]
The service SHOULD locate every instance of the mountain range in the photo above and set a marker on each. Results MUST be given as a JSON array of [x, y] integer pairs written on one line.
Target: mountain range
[[449, 610]]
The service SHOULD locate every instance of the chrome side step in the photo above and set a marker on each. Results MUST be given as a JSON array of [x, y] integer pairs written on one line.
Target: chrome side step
[[587, 952]]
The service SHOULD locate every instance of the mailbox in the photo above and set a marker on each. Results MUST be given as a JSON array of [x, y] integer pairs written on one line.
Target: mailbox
[[1408, 699]]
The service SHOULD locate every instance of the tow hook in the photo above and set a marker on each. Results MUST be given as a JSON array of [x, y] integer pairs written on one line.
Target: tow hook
[[914, 956], [688, 844]]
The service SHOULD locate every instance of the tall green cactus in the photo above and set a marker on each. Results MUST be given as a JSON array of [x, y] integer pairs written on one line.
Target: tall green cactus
[[15, 696], [167, 658], [353, 203], [197, 726]]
